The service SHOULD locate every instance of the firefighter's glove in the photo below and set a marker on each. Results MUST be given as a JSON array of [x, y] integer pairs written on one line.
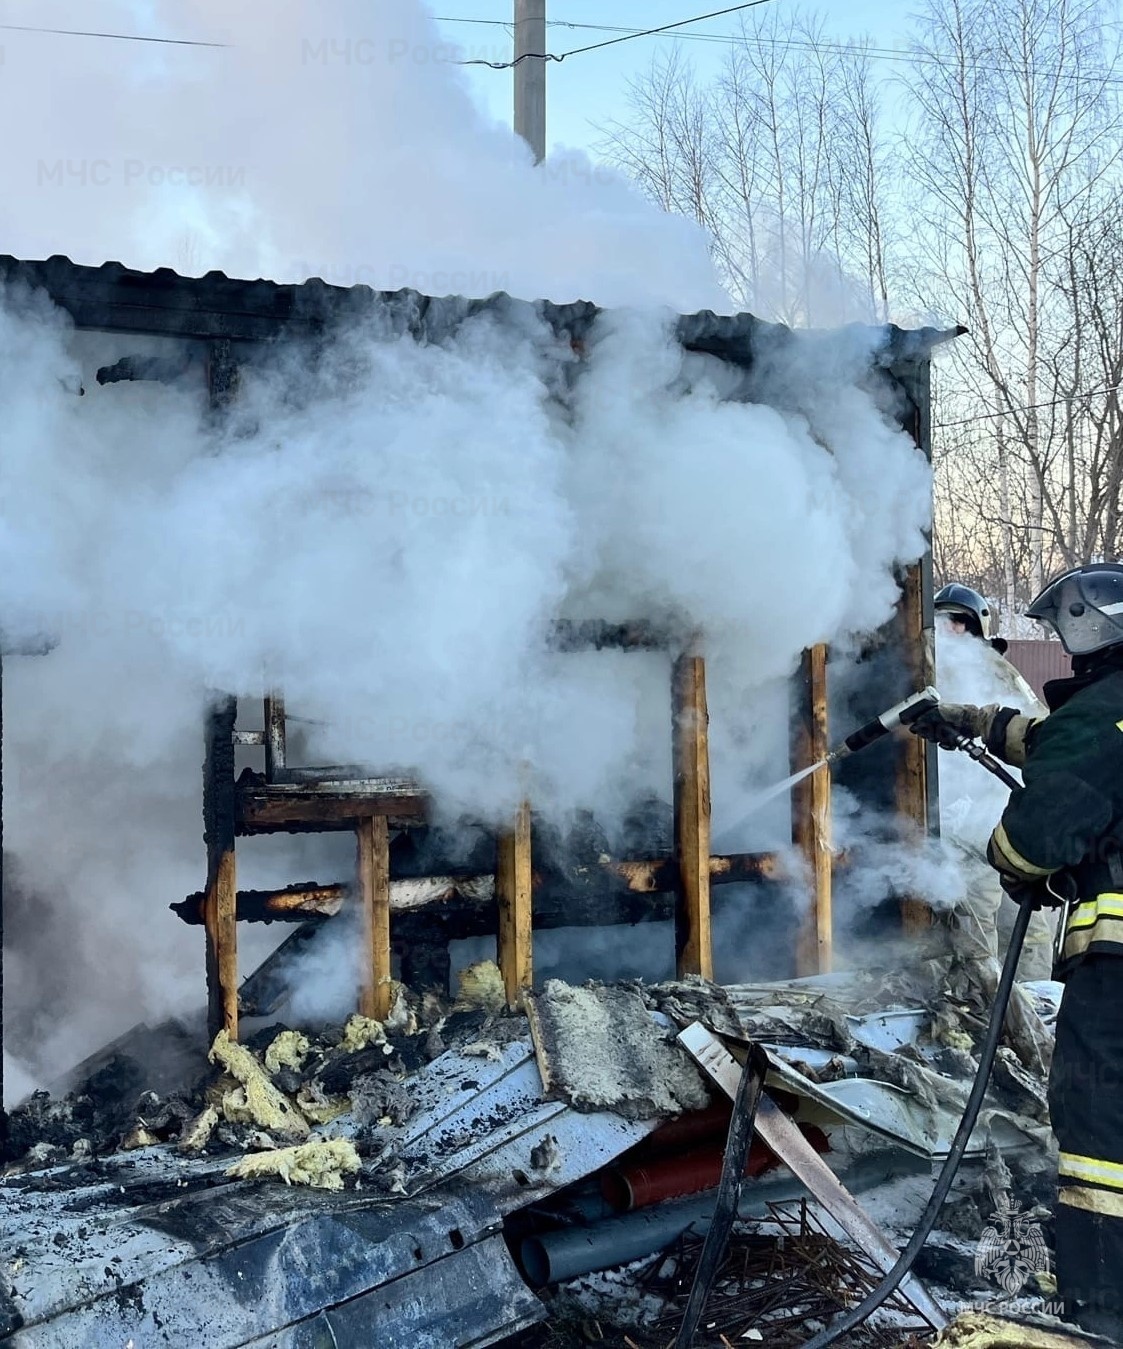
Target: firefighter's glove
[[949, 723], [1053, 892]]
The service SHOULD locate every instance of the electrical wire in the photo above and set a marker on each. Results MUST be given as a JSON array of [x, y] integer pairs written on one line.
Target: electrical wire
[[611, 42], [855, 48], [1030, 407], [118, 37]]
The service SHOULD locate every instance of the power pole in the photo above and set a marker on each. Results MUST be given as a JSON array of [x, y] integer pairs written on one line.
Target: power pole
[[530, 75]]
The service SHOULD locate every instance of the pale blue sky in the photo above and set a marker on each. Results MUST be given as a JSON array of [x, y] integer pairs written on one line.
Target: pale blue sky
[[592, 88]]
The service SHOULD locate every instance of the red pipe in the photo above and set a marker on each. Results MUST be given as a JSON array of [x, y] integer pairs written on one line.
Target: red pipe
[[640, 1185], [691, 1127]]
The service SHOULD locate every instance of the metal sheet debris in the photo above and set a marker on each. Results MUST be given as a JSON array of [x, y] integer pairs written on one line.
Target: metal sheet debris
[[792, 1148]]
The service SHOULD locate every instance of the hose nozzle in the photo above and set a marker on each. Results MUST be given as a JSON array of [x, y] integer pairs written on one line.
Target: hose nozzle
[[901, 714]]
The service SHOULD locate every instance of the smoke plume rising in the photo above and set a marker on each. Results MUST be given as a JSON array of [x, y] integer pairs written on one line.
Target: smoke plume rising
[[386, 531]]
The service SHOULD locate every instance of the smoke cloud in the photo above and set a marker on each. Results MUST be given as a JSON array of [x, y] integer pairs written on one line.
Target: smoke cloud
[[335, 140], [386, 531]]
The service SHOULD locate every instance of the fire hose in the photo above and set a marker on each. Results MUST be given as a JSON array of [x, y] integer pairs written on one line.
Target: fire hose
[[1027, 898], [741, 1128]]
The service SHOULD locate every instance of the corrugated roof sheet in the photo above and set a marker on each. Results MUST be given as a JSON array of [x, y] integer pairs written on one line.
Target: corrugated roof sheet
[[113, 297]]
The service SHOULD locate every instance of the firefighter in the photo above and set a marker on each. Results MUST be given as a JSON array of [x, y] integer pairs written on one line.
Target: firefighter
[[986, 914], [966, 609], [1060, 840]]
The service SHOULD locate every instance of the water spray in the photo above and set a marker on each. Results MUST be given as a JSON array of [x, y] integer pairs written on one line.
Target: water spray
[[900, 714]]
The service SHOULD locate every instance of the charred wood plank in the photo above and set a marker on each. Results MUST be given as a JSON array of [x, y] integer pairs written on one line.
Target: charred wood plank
[[280, 807], [268, 986], [220, 895], [593, 634], [274, 736], [657, 875], [294, 904]]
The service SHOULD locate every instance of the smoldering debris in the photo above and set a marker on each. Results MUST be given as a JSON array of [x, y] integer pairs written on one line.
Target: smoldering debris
[[445, 1098], [598, 1049], [781, 1279], [488, 530]]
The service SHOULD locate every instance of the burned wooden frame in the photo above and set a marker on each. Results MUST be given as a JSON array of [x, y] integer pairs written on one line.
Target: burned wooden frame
[[232, 318]]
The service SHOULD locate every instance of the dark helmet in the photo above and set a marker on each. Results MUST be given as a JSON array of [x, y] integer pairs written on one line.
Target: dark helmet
[[967, 604], [1084, 606]]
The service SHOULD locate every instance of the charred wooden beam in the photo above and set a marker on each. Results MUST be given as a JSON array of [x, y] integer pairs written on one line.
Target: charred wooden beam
[[374, 900], [592, 634], [311, 902], [917, 786], [513, 892], [268, 986], [274, 736], [690, 729], [656, 875], [811, 809], [220, 895], [294, 904], [290, 807]]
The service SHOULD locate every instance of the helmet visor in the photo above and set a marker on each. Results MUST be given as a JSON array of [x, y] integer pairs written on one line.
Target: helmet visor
[[1085, 610]]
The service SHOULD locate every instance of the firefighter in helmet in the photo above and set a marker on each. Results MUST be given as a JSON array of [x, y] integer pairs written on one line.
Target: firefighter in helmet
[[969, 661], [966, 608], [1060, 841]]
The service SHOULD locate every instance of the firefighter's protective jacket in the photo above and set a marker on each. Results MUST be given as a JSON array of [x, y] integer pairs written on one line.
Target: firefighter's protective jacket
[[1069, 814]]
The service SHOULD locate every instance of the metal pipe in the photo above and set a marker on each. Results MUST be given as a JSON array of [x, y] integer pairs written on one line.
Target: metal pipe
[[654, 1182], [571, 1252], [693, 1126]]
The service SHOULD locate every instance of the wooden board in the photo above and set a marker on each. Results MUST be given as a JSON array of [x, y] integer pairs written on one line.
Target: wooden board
[[690, 729], [811, 810], [514, 894], [912, 766], [221, 893], [374, 899], [274, 736], [277, 807]]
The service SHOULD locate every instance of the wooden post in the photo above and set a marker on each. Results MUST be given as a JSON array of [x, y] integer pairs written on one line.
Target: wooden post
[[811, 810], [374, 891], [917, 786], [514, 896], [220, 912], [918, 812], [274, 736], [691, 755]]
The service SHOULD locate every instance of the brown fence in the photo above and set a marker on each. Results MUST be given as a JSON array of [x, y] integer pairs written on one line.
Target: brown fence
[[1038, 662]]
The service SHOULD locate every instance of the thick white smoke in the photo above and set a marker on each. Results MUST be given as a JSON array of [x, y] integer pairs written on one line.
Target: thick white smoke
[[328, 139], [387, 535], [970, 671]]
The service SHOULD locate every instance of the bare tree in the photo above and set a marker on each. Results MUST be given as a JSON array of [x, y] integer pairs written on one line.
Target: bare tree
[[996, 208], [782, 158], [1017, 119]]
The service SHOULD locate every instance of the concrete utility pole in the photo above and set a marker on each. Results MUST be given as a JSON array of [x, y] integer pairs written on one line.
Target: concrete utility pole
[[530, 75]]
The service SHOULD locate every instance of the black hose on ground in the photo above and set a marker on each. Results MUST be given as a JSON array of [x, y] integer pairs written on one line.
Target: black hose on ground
[[737, 1145], [892, 1281]]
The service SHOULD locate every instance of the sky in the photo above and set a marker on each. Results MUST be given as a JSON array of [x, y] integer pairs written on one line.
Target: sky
[[591, 90]]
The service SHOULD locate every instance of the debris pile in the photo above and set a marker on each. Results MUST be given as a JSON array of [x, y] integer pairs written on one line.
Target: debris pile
[[782, 1278], [458, 1141], [270, 1095]]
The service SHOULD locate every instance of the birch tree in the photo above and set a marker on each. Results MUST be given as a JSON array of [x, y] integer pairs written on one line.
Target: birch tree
[[1016, 120], [783, 159]]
